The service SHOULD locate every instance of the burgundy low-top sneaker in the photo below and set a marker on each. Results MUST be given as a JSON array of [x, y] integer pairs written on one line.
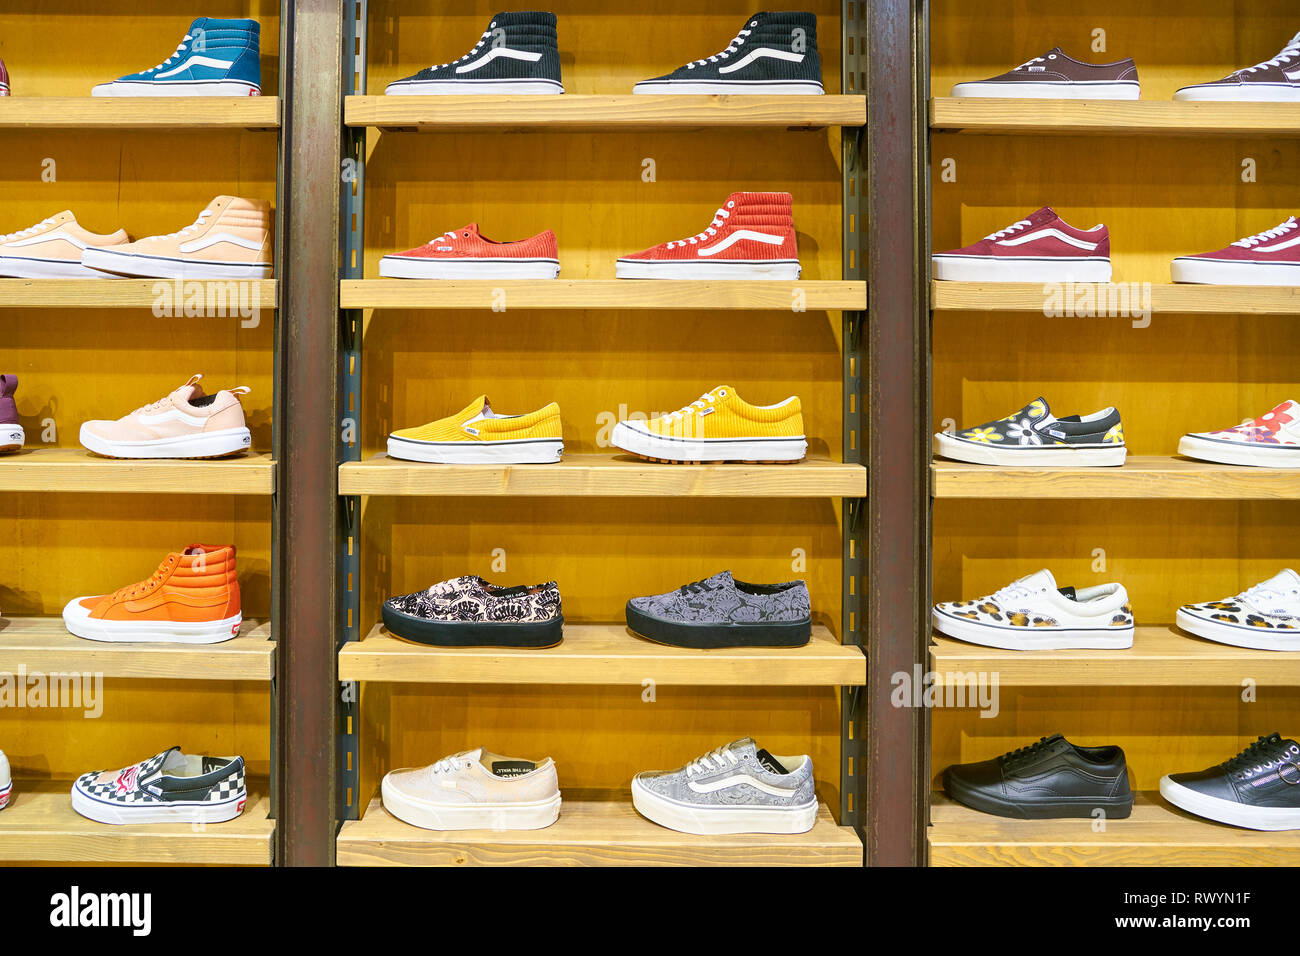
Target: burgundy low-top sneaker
[[1258, 789], [1055, 76], [1039, 248], [1273, 81], [12, 435], [469, 612], [4, 79], [1271, 257]]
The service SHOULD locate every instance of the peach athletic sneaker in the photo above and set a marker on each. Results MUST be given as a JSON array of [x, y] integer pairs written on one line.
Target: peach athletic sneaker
[[184, 424], [52, 249], [231, 239], [193, 598]]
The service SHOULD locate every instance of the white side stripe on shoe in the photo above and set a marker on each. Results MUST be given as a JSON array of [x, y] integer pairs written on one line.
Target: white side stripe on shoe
[[759, 54], [739, 778], [196, 61], [493, 54], [173, 415], [735, 237], [1053, 233], [46, 237], [1289, 244], [212, 240]]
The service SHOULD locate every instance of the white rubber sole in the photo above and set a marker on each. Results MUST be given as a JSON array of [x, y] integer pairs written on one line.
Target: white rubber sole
[[786, 270], [186, 812], [1238, 453], [540, 451], [231, 441], [1210, 272], [1229, 811], [717, 449], [1033, 638], [427, 815], [1030, 456], [688, 818], [4, 795], [473, 87], [178, 88], [78, 621], [18, 267], [1255, 93], [1050, 269], [1239, 635], [400, 267], [731, 87], [1031, 90], [12, 438], [168, 267]]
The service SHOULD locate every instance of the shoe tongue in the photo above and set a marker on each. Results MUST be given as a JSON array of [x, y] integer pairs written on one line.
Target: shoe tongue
[[164, 760], [745, 745], [1039, 579], [475, 408], [475, 755], [1284, 580], [1046, 214], [720, 580], [472, 229], [198, 24]]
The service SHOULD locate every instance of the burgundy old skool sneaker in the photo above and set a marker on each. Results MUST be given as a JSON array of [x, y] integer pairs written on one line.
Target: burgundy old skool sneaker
[[1040, 248], [1055, 76], [1271, 257]]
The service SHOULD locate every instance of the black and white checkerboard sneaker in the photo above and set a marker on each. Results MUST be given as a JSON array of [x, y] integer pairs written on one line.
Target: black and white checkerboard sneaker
[[170, 788], [774, 53], [518, 53]]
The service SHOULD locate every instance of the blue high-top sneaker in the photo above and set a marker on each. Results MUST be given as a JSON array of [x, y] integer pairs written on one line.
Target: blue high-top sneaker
[[773, 53], [216, 58], [518, 53]]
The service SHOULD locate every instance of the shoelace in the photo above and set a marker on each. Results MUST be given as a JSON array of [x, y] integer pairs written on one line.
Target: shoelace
[[190, 229], [704, 401], [736, 43], [1289, 53], [30, 230], [152, 406], [1013, 592], [1014, 227], [449, 764], [713, 760], [695, 587], [180, 48], [483, 39], [1027, 65], [1266, 598], [446, 235], [718, 219], [145, 586], [1267, 234], [1262, 753], [1020, 753]]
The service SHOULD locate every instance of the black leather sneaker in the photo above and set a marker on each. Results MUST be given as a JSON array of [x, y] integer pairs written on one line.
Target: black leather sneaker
[[1052, 778], [1259, 788]]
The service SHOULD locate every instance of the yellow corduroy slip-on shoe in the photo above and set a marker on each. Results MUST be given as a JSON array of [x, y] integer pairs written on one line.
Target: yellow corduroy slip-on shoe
[[476, 435], [719, 426]]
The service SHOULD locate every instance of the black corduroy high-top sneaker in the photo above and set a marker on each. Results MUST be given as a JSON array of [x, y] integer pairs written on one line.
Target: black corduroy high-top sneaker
[[773, 53], [518, 53]]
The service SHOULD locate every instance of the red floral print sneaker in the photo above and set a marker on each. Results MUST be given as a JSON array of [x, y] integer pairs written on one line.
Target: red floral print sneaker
[[750, 237], [1270, 441], [1270, 258], [466, 253], [1040, 248]]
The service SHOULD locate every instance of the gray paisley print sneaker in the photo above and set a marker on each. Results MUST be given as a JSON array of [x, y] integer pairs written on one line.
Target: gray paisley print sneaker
[[723, 612], [469, 612]]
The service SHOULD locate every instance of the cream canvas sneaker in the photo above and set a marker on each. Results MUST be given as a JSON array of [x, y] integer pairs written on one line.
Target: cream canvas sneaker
[[231, 239], [475, 790], [52, 249], [185, 424]]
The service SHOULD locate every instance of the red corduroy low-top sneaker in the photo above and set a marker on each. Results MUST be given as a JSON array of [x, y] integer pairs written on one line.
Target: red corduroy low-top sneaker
[[1039, 248], [465, 253], [1270, 258]]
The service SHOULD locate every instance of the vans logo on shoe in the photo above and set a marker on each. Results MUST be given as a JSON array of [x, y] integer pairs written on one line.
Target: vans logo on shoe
[[736, 237], [1046, 233], [759, 54], [491, 55]]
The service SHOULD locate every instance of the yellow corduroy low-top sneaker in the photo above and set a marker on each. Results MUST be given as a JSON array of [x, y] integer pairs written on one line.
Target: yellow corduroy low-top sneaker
[[476, 435], [719, 426]]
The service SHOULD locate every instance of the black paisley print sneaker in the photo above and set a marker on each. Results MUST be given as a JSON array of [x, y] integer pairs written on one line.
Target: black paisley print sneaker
[[469, 612], [723, 612], [1266, 616], [1034, 436]]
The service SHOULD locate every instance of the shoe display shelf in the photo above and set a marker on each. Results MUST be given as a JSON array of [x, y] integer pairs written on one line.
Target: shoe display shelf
[[1168, 178], [597, 665], [89, 349]]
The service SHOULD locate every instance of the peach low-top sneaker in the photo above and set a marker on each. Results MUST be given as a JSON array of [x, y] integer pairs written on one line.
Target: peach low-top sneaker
[[231, 239], [185, 424], [52, 249], [193, 598]]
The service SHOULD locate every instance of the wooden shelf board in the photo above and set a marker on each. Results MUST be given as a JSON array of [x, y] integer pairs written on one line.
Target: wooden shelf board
[[592, 294], [131, 112], [1143, 476], [1115, 299], [590, 832], [572, 111], [607, 654], [609, 476], [221, 299], [1117, 117], [1157, 834], [40, 825], [77, 470], [1161, 656], [44, 644]]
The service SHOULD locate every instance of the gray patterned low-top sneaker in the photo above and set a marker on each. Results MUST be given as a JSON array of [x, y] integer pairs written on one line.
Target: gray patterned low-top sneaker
[[171, 787], [723, 612], [469, 612], [738, 788]]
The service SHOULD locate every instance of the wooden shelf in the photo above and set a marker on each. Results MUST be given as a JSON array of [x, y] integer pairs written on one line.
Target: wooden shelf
[[1160, 657], [1117, 117], [572, 111], [44, 644], [39, 825], [1157, 834], [608, 654], [220, 298], [628, 294], [1141, 477], [608, 476], [590, 832], [1116, 299], [77, 470], [133, 113]]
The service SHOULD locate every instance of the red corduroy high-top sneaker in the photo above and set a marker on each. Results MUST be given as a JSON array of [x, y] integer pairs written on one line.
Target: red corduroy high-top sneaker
[[751, 237]]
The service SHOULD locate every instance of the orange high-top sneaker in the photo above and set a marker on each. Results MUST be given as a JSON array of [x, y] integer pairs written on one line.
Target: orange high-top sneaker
[[193, 598]]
